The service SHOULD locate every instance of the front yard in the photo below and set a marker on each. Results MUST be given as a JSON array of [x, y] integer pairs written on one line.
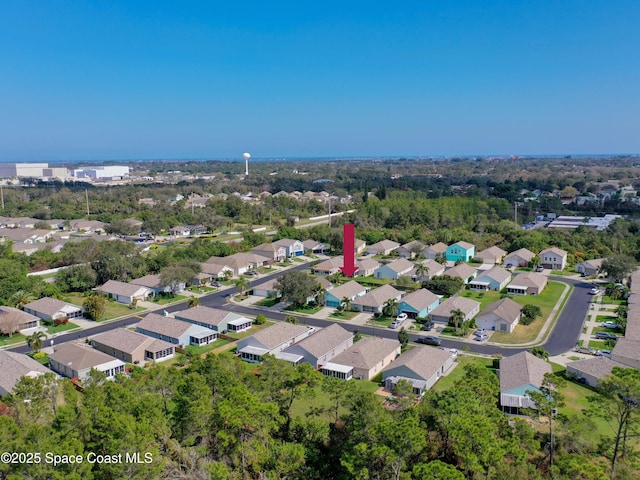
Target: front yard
[[343, 315], [307, 309], [113, 310]]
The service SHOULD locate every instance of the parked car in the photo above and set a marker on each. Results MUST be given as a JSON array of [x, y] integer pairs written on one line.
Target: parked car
[[480, 331], [587, 350], [428, 326], [217, 284], [539, 268], [482, 337], [251, 273], [603, 353], [594, 291], [395, 324], [606, 336], [429, 340], [402, 317], [612, 325]]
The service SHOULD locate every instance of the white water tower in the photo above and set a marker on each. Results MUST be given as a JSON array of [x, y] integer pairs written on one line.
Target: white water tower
[[246, 156]]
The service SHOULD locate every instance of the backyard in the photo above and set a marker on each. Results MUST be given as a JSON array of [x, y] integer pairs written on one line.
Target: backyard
[[207, 348]]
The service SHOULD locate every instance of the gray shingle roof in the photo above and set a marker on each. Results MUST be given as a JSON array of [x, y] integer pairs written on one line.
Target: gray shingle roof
[[349, 289], [325, 340], [596, 366], [424, 361], [48, 306], [278, 333], [491, 253], [167, 326], [120, 288], [420, 299], [506, 309], [498, 274], [454, 303], [529, 279], [523, 253], [13, 366], [400, 265], [522, 369], [79, 356], [129, 341], [377, 297], [367, 353], [210, 316], [462, 271]]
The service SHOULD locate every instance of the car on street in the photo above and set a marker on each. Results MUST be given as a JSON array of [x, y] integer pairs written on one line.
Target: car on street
[[594, 291], [481, 337], [606, 336], [612, 325], [429, 340]]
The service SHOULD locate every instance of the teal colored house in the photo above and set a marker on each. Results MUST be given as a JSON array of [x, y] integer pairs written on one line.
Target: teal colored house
[[460, 251], [349, 290], [418, 303], [520, 373]]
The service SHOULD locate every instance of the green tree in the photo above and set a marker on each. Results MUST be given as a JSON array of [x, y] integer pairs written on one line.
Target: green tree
[[241, 284], [444, 284], [320, 294], [291, 319], [390, 307], [548, 399], [296, 286], [21, 297], [95, 306], [260, 319], [357, 336], [540, 352], [79, 278], [345, 303], [193, 302], [618, 267], [403, 337], [618, 405], [437, 470], [177, 276], [456, 318], [530, 313]]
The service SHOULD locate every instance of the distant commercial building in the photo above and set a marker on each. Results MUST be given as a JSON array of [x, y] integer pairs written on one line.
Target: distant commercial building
[[31, 170], [102, 173]]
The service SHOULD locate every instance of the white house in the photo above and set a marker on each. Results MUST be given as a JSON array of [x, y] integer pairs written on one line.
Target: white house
[[395, 269]]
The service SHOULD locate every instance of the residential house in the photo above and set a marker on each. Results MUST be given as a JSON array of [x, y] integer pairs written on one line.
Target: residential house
[[272, 251], [219, 321], [153, 283], [14, 366], [51, 309], [315, 247], [590, 268], [215, 271], [180, 231], [492, 255], [21, 320], [527, 283], [496, 278], [87, 226], [294, 248], [591, 370], [395, 269], [462, 271], [553, 258], [28, 236], [272, 341], [374, 301], [321, 347], [411, 250], [501, 316], [627, 352], [366, 267], [435, 251], [132, 347], [359, 246], [363, 360], [76, 360], [460, 251], [519, 258], [431, 269], [419, 303], [267, 289], [383, 247], [520, 373], [123, 292], [242, 262], [420, 366], [330, 266], [175, 331], [442, 313], [350, 290]]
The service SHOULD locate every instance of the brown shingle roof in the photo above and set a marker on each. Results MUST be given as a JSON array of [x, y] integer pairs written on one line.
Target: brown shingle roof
[[506, 309], [325, 339], [424, 361], [462, 271], [367, 353], [13, 366], [129, 341], [498, 274], [120, 288], [349, 289], [48, 306], [420, 299], [454, 303], [377, 297], [522, 369], [277, 334], [79, 356]]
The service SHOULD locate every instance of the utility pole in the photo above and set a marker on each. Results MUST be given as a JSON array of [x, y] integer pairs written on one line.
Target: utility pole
[[329, 212], [2, 196], [516, 214], [86, 194]]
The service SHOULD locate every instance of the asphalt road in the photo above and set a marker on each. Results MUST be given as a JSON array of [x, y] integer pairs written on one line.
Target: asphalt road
[[563, 337]]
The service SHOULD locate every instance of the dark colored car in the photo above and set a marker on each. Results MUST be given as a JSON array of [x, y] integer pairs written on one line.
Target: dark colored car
[[428, 326], [606, 336], [429, 340]]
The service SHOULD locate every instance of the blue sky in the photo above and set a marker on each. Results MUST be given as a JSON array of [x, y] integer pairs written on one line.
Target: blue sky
[[100, 80]]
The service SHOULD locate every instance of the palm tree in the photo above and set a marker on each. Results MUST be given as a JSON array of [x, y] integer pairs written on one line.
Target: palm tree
[[390, 308], [193, 302], [346, 304], [421, 271], [457, 317], [242, 284], [36, 340], [320, 293], [228, 274], [20, 298]]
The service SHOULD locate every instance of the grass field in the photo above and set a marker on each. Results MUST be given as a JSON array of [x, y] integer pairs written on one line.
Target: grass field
[[302, 407], [251, 331], [308, 309], [344, 315], [608, 300], [267, 302], [61, 328], [165, 299], [485, 298], [201, 289], [381, 321], [113, 310], [546, 301], [207, 348], [371, 280], [457, 373], [13, 339]]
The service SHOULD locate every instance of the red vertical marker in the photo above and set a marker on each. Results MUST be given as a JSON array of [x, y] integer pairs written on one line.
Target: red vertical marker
[[348, 249]]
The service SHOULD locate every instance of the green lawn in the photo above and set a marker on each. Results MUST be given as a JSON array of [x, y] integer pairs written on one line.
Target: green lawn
[[611, 301], [308, 309], [485, 298], [267, 302], [61, 328], [251, 331], [201, 289], [207, 348], [344, 315], [13, 339], [546, 301], [265, 269], [43, 360], [370, 280], [457, 373], [381, 321], [605, 318], [598, 345], [604, 329], [165, 299], [113, 309]]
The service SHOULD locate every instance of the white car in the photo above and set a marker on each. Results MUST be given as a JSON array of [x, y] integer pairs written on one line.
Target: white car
[[401, 317], [612, 325], [594, 291], [481, 337]]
